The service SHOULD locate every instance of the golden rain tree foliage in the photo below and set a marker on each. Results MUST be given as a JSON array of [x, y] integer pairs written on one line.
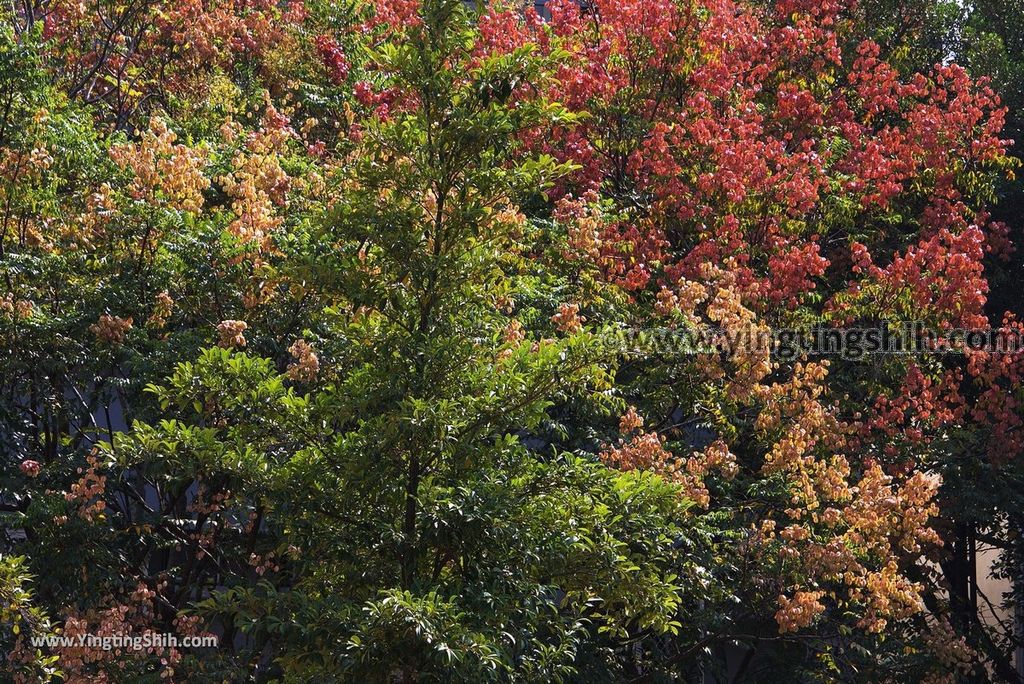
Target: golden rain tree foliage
[[311, 310]]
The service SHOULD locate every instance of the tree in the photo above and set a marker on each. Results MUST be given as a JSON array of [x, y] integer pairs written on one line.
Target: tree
[[355, 334], [380, 514], [789, 177]]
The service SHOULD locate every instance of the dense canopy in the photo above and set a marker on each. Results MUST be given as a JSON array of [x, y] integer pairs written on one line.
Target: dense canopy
[[353, 334]]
